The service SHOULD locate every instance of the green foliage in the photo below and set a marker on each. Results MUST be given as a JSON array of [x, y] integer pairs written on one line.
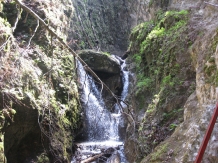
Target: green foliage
[[156, 33], [137, 58], [172, 114], [157, 41], [82, 44], [157, 47], [168, 81], [106, 53], [173, 126], [140, 32], [144, 83], [150, 3], [176, 14]]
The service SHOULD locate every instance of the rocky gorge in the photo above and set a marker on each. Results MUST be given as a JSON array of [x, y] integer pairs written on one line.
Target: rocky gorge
[[170, 48]]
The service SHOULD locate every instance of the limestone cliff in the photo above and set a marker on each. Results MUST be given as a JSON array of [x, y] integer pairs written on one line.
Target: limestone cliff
[[39, 98], [173, 50]]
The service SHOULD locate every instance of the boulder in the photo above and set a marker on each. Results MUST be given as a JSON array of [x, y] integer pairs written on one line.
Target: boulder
[[100, 62]]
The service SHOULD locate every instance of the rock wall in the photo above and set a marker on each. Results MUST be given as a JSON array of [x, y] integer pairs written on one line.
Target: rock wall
[[40, 108], [183, 144], [165, 76], [200, 105], [105, 25]]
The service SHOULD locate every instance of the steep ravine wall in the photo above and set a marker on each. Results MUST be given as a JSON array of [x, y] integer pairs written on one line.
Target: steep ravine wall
[[39, 99], [105, 25], [200, 105], [182, 144]]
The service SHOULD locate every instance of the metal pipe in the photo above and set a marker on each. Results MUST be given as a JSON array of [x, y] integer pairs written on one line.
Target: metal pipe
[[207, 136]]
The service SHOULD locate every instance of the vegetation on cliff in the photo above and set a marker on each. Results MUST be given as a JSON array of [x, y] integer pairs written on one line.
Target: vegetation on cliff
[[39, 99], [165, 75]]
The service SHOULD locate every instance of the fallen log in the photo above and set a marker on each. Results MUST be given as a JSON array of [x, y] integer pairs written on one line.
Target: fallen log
[[92, 158]]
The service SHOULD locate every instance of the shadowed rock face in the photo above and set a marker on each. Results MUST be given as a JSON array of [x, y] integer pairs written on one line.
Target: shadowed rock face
[[104, 24], [23, 138]]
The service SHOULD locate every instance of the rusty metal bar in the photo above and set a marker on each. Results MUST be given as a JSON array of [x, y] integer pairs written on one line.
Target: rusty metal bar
[[207, 136]]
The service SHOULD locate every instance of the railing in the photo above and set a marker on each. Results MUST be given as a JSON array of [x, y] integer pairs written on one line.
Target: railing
[[207, 136]]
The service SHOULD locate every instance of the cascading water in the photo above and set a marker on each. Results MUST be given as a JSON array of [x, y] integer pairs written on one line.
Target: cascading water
[[101, 126], [125, 80]]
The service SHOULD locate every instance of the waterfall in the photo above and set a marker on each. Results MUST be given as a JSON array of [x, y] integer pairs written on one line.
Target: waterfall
[[125, 80], [100, 123], [101, 126], [125, 83]]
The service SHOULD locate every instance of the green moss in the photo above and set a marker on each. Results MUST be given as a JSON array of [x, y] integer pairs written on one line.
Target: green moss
[[156, 58], [156, 49], [43, 158], [175, 112], [144, 83], [173, 126], [106, 53], [210, 67], [214, 41], [46, 82], [185, 158], [159, 152], [152, 107], [151, 3]]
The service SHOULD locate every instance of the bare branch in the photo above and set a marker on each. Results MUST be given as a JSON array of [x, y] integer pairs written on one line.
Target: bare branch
[[26, 18], [33, 34], [92, 158], [17, 19], [3, 45]]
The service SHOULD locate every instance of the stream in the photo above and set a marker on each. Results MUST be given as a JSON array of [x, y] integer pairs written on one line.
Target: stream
[[102, 135]]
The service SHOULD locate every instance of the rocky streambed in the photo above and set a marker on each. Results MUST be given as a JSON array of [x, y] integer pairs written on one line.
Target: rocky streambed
[[99, 152]]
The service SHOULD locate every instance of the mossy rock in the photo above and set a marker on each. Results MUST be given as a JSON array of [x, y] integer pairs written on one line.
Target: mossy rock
[[100, 62]]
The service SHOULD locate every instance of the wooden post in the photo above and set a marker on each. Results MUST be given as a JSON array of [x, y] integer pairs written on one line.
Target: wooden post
[[207, 136]]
